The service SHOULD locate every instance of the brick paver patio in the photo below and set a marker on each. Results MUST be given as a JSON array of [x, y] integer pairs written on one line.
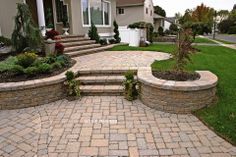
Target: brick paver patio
[[105, 126]]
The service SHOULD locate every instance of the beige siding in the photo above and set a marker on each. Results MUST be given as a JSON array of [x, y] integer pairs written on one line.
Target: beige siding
[[76, 19], [158, 23], [148, 17], [131, 15], [7, 14]]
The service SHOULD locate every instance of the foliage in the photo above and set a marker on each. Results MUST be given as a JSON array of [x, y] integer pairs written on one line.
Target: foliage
[[116, 31], [130, 89], [49, 17], [183, 50], [160, 11], [30, 65], [160, 31], [5, 41], [112, 41], [51, 34], [25, 34], [26, 59], [59, 48], [65, 21], [143, 25], [93, 33], [173, 28], [73, 84], [222, 15], [224, 25], [103, 41], [232, 30], [200, 20]]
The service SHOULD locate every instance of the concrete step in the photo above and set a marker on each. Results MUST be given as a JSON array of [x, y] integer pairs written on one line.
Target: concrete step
[[79, 43], [82, 47], [74, 39], [105, 72], [102, 80], [88, 51], [70, 36], [97, 90]]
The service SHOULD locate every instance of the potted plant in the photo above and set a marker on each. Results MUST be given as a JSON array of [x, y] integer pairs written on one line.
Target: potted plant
[[65, 25]]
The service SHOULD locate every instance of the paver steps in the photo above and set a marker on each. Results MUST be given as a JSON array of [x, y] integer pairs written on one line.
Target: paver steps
[[101, 82], [77, 45]]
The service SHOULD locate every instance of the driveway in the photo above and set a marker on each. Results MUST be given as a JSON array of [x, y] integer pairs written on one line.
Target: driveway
[[105, 126]]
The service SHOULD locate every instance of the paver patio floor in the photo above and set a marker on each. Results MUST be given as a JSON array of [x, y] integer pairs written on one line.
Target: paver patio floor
[[105, 126]]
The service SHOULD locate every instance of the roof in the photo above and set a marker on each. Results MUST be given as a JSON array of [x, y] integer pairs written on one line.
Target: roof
[[170, 19], [125, 3], [156, 16]]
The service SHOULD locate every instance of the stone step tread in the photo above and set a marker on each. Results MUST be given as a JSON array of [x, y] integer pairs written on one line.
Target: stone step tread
[[66, 40], [102, 79], [81, 47], [70, 36], [88, 51], [106, 72], [101, 89], [78, 43]]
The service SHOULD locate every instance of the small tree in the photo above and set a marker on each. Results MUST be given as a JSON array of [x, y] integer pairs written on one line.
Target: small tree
[[93, 33], [173, 28], [160, 31], [183, 49], [25, 34], [116, 31]]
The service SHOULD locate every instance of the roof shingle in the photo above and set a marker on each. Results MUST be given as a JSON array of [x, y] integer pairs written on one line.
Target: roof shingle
[[120, 3]]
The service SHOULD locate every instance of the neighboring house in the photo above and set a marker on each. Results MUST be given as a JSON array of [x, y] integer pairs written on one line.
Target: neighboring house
[[168, 22], [79, 12], [159, 21], [130, 11]]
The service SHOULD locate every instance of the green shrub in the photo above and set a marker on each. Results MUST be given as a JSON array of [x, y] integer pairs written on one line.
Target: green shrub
[[44, 68], [72, 84], [130, 90], [57, 65], [232, 30], [31, 71], [17, 69], [27, 59], [103, 41], [117, 33], [70, 75], [93, 33], [7, 64], [160, 31], [63, 59], [5, 41]]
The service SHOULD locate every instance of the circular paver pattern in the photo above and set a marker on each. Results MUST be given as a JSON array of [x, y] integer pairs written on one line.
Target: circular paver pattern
[[120, 59], [105, 126]]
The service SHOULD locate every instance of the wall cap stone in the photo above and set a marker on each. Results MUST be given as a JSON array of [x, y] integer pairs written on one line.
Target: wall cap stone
[[207, 80]]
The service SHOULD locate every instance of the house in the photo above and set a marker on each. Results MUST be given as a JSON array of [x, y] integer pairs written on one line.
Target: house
[[131, 11], [168, 22], [159, 21], [80, 13]]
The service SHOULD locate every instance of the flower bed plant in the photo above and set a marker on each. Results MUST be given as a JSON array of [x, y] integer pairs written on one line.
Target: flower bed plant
[[29, 66]]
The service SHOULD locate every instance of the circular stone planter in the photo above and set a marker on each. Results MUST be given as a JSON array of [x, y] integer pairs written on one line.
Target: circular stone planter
[[177, 96]]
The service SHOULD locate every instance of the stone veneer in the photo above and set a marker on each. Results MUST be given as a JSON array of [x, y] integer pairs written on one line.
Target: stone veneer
[[16, 95], [176, 96]]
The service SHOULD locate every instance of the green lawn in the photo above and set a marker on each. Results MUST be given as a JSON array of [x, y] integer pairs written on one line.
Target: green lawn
[[222, 62], [203, 40]]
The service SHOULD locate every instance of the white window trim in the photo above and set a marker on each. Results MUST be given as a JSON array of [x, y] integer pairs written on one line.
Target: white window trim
[[89, 15]]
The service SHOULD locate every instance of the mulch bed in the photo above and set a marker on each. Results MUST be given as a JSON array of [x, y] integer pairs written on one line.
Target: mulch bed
[[10, 77], [176, 76]]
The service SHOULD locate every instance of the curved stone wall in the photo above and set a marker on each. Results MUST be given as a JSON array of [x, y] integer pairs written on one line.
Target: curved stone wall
[[176, 96], [16, 95]]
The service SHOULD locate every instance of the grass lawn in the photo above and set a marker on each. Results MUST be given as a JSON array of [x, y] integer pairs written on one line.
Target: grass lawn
[[221, 61], [203, 40]]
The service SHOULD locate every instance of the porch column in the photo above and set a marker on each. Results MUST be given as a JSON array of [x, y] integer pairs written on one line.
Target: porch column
[[41, 17]]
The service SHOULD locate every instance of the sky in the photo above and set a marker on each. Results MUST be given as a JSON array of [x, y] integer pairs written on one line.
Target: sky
[[174, 6]]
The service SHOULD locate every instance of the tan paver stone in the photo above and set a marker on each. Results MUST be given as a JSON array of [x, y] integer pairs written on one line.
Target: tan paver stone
[[88, 151]]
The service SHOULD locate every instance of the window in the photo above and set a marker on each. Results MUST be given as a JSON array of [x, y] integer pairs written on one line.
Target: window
[[61, 10], [151, 13], [121, 11], [96, 11], [146, 10]]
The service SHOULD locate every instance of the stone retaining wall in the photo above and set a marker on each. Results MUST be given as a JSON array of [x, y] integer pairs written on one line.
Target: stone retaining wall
[[176, 96]]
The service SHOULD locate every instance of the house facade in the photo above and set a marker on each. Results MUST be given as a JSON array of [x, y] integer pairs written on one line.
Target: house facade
[[79, 13], [131, 11], [159, 21]]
